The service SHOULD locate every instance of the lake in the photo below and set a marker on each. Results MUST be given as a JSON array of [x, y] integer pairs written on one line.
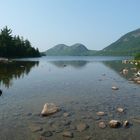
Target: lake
[[80, 86]]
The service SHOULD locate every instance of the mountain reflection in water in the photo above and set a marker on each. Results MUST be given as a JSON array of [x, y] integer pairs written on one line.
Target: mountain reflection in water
[[75, 64], [15, 70]]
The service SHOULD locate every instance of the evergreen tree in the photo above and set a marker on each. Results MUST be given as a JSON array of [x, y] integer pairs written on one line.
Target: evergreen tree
[[16, 46]]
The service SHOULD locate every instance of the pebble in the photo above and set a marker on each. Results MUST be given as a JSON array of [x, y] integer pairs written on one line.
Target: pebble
[[100, 113], [120, 110], [68, 134], [102, 125], [115, 88], [35, 128], [82, 126], [66, 114]]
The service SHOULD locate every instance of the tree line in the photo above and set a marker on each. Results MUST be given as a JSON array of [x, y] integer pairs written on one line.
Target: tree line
[[15, 46]]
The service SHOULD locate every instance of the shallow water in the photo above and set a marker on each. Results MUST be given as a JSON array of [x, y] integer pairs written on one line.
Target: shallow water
[[79, 85]]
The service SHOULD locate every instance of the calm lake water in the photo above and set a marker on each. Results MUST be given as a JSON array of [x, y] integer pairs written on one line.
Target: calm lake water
[[79, 85]]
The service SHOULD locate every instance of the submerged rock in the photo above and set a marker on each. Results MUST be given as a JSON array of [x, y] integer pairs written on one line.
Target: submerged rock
[[82, 126], [49, 108], [68, 134], [102, 125], [114, 123], [120, 110], [125, 71], [35, 128], [66, 114], [100, 113]]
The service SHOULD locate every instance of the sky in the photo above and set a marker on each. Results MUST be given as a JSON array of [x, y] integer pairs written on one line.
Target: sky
[[94, 23]]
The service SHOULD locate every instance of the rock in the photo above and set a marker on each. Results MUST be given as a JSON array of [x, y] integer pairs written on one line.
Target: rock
[[125, 71], [126, 124], [138, 73], [35, 128], [115, 88], [120, 110], [47, 134], [66, 114], [138, 82], [102, 125], [49, 108], [114, 123], [100, 113], [68, 134], [136, 79], [81, 127]]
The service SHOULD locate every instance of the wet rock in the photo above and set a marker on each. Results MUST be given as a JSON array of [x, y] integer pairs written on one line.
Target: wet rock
[[66, 114], [138, 74], [35, 128], [46, 134], [120, 110], [114, 124], [115, 88], [82, 126], [67, 134], [125, 71], [100, 113], [102, 125], [126, 124], [49, 108]]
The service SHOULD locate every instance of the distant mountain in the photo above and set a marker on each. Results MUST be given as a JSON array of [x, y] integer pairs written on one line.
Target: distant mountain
[[64, 50], [129, 44]]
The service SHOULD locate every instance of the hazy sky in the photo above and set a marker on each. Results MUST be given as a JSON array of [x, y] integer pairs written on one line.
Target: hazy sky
[[95, 23]]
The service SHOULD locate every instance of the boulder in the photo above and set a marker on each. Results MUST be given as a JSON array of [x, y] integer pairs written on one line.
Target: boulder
[[49, 109], [114, 123]]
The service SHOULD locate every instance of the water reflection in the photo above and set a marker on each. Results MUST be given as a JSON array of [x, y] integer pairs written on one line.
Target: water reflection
[[75, 64], [118, 66], [15, 70]]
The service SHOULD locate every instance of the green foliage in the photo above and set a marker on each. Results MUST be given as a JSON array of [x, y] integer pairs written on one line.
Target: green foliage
[[15, 46], [137, 56], [64, 50], [129, 44]]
